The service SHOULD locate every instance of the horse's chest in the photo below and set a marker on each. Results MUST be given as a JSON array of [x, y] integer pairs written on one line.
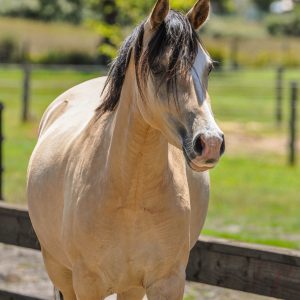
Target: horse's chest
[[139, 222], [143, 231], [137, 239]]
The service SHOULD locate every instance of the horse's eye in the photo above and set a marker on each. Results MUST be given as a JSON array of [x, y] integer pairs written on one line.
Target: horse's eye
[[210, 68]]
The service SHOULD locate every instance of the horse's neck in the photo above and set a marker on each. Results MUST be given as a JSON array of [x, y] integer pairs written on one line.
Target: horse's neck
[[138, 154]]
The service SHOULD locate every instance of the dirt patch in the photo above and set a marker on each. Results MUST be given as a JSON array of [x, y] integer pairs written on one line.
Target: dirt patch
[[253, 138], [22, 271]]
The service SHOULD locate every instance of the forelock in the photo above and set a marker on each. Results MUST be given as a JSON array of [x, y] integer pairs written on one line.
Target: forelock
[[176, 37]]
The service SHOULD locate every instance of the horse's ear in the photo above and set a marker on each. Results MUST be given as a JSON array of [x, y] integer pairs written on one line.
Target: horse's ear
[[159, 12], [199, 13]]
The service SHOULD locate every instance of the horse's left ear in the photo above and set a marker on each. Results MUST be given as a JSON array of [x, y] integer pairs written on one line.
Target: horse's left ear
[[159, 12], [199, 13]]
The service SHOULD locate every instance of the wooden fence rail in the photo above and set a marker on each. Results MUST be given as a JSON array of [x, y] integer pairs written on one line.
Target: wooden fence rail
[[250, 268], [5, 295]]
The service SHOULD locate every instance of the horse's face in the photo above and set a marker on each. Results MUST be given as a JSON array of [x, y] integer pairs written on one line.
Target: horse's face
[[177, 103]]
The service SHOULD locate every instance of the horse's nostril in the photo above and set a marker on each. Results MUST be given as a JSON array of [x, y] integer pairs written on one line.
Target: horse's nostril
[[222, 149], [198, 145]]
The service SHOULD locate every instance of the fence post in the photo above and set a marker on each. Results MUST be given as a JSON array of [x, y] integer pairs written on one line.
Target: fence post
[[279, 90], [234, 50], [26, 83], [1, 151], [293, 124]]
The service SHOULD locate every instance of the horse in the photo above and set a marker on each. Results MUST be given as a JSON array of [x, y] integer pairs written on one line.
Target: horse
[[118, 183]]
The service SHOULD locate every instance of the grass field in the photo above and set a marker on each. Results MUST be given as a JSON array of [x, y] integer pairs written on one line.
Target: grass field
[[20, 138], [249, 95], [44, 37], [255, 196]]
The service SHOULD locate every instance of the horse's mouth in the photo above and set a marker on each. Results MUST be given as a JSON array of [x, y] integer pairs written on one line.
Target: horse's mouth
[[195, 167]]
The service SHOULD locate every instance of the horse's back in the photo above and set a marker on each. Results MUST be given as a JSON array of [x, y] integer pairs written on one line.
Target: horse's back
[[78, 103]]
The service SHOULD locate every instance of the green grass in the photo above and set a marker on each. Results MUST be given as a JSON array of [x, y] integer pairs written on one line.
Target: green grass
[[19, 138], [254, 197], [248, 95]]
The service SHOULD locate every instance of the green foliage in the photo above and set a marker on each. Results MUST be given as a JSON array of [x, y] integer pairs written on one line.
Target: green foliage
[[263, 5], [15, 8], [107, 52], [127, 14], [133, 11], [288, 24], [112, 32], [8, 50], [222, 7], [111, 38], [69, 58], [183, 6], [111, 19], [66, 10]]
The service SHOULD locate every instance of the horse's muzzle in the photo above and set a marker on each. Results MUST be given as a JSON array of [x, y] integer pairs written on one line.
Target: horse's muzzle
[[205, 152]]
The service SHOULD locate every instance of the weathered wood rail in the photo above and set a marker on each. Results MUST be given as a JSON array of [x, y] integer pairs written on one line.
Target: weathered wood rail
[[250, 268], [5, 295]]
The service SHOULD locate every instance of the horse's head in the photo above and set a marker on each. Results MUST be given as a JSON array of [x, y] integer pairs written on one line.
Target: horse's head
[[170, 67], [172, 71]]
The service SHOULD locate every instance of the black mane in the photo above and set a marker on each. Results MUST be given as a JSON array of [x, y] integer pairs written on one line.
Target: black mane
[[174, 34]]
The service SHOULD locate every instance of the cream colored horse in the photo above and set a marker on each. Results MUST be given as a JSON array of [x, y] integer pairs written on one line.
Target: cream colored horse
[[118, 187]]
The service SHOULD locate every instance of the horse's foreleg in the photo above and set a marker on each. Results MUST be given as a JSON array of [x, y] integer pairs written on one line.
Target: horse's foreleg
[[132, 294], [60, 276], [167, 288], [88, 285]]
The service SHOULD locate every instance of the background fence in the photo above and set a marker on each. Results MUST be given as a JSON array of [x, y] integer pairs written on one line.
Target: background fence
[[247, 97]]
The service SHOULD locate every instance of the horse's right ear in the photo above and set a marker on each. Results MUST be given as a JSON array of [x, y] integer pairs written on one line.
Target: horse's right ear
[[158, 14], [199, 13]]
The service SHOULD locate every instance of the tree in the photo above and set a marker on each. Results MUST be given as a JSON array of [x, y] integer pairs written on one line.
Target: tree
[[222, 6], [113, 19], [263, 5], [64, 10], [54, 10], [110, 13]]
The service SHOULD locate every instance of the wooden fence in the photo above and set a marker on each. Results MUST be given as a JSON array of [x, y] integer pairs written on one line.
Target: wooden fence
[[250, 268]]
